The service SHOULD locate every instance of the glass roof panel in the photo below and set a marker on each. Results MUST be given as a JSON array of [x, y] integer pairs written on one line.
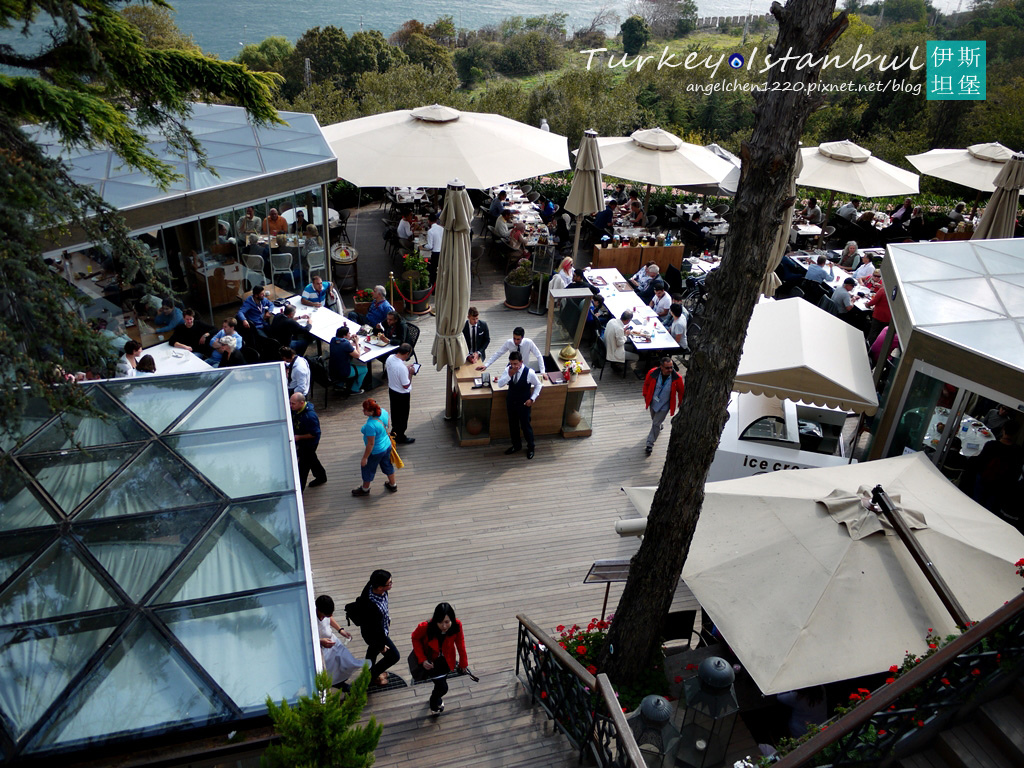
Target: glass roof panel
[[142, 683], [262, 625], [122, 195], [20, 507], [974, 290], [57, 584], [94, 165], [15, 549], [136, 552], [156, 480], [999, 263], [1011, 296], [247, 160], [997, 339], [928, 307], [32, 414], [241, 135], [914, 267], [278, 160], [202, 178], [247, 395], [159, 401], [71, 476], [110, 426], [241, 462], [39, 662], [254, 545]]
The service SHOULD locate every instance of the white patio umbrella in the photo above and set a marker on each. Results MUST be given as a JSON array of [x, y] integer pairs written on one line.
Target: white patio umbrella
[[726, 186], [1001, 211], [586, 196], [975, 167], [453, 283], [657, 157], [842, 166], [808, 587], [427, 146]]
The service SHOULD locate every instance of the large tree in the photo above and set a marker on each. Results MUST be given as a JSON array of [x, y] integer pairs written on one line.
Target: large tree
[[91, 82], [769, 156]]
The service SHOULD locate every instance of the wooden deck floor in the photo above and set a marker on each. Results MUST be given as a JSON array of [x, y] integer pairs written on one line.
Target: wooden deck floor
[[494, 535]]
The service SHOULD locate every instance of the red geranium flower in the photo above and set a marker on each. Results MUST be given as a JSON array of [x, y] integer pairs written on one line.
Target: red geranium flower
[[602, 625], [678, 679], [581, 649], [1020, 562], [890, 680], [592, 669], [690, 667], [944, 681], [932, 645], [560, 628], [975, 671], [894, 669], [564, 646], [543, 694], [855, 697], [882, 732], [920, 723]]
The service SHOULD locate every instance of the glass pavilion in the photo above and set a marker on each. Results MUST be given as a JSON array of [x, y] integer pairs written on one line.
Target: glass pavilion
[[150, 561], [286, 167], [958, 310]]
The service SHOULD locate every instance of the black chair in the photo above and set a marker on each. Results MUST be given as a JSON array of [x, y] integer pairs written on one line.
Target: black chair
[[652, 223], [412, 335], [721, 210], [674, 279], [679, 626], [250, 354]]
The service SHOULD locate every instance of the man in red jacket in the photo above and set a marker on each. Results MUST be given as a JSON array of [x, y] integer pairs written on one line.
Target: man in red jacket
[[663, 391]]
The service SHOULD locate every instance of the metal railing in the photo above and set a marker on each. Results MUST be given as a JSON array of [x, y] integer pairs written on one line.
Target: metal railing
[[903, 717], [582, 706]]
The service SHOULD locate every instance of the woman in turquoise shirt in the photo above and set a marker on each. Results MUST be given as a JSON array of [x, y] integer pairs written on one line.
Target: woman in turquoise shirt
[[378, 448]]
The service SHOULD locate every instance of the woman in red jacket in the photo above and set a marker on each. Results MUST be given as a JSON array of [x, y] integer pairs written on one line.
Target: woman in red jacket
[[434, 642]]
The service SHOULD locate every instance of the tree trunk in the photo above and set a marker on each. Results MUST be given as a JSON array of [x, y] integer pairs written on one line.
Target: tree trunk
[[769, 157]]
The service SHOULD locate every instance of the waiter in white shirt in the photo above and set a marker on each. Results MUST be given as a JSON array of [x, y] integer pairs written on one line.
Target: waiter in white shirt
[[518, 343], [434, 235], [524, 388], [400, 374]]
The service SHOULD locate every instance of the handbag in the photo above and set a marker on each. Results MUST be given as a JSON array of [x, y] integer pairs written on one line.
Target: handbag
[[420, 673], [396, 460]]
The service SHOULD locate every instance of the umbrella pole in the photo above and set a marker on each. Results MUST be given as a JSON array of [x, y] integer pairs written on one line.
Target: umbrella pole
[[449, 395], [576, 237], [931, 573], [647, 200]]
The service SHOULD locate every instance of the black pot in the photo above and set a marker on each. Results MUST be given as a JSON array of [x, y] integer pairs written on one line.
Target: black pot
[[517, 296]]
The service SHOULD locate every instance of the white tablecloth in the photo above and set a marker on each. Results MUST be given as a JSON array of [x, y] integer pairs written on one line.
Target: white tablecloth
[[973, 434], [170, 361], [619, 301], [324, 323]]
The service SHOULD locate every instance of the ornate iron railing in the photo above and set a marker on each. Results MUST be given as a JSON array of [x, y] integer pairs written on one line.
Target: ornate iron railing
[[902, 717], [582, 706]]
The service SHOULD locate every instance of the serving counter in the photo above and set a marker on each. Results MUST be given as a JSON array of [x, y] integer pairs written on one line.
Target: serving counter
[[629, 259], [565, 408]]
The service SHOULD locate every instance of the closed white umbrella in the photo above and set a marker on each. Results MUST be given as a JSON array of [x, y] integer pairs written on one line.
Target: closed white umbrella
[[1001, 212], [427, 146], [586, 196], [657, 157], [842, 166], [975, 167], [808, 587], [453, 283]]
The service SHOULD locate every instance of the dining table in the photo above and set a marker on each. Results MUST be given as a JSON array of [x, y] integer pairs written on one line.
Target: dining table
[[324, 324], [645, 330], [171, 360], [973, 433]]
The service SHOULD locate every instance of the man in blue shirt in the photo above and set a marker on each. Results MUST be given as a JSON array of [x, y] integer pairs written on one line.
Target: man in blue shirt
[[817, 273], [603, 220], [168, 317], [215, 343], [378, 309], [306, 426], [497, 206], [256, 310], [317, 293]]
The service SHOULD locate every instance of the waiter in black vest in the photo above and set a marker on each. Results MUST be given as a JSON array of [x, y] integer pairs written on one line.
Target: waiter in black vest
[[477, 336], [524, 388]]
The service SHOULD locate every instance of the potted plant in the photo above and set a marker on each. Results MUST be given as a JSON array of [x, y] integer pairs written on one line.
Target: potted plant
[[518, 284], [414, 283], [361, 300]]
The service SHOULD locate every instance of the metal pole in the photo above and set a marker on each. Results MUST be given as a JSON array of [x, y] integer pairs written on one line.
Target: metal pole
[[931, 573]]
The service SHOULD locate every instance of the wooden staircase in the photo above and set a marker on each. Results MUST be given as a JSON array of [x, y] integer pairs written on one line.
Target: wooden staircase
[[490, 723], [994, 738]]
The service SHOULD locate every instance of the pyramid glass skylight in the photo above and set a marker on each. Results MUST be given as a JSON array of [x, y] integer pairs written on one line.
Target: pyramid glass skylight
[[141, 547]]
